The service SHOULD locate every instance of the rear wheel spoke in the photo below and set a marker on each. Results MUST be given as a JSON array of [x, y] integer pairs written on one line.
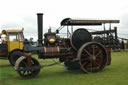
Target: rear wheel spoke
[[98, 53], [93, 50], [85, 59], [97, 64], [94, 64], [85, 63], [90, 67], [87, 52]]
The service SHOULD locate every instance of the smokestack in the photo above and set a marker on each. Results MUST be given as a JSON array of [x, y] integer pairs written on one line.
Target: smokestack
[[40, 27], [115, 28]]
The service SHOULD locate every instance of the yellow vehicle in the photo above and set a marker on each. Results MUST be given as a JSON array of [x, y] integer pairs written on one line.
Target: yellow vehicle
[[11, 45]]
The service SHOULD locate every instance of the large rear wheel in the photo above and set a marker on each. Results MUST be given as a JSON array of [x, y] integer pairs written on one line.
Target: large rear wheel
[[92, 57]]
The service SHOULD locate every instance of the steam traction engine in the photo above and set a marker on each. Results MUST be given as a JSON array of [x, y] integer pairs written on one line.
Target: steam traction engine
[[78, 50]]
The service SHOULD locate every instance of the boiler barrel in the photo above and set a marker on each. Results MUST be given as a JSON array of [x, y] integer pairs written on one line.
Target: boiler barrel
[[54, 52]]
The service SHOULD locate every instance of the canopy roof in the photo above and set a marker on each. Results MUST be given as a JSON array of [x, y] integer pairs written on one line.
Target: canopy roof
[[70, 22]]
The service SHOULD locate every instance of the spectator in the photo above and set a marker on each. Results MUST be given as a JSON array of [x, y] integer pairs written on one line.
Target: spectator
[[127, 44], [122, 45]]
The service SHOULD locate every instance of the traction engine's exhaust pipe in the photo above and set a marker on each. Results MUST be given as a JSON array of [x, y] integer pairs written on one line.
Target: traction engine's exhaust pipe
[[40, 27]]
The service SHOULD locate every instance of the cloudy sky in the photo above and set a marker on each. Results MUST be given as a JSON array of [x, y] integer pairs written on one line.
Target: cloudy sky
[[15, 14]]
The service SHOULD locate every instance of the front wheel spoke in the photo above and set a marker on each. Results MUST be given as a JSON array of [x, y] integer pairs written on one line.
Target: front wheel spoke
[[24, 72], [30, 71], [27, 72]]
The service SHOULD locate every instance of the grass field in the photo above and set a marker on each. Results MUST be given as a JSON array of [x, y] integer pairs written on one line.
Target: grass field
[[115, 74]]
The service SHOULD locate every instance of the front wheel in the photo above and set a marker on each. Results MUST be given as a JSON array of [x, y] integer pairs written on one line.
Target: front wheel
[[25, 71], [92, 57]]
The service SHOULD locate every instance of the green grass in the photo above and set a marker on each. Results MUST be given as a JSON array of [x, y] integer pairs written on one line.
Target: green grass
[[115, 74]]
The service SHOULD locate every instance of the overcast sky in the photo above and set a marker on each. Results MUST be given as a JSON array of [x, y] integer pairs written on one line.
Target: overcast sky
[[15, 14]]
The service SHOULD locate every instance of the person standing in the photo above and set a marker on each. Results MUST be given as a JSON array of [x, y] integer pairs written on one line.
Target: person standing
[[127, 44], [122, 45]]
